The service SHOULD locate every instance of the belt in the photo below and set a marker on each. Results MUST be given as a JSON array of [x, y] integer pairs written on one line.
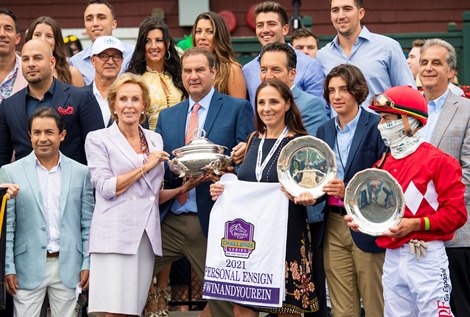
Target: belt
[[53, 254], [337, 210]]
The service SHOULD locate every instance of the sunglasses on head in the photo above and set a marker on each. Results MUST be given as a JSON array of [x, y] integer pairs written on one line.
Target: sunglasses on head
[[384, 102], [70, 38]]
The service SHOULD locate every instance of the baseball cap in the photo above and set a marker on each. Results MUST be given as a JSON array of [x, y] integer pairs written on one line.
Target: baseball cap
[[103, 43]]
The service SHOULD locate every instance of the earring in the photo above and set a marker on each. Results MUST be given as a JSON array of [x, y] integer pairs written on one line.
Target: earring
[[168, 55], [115, 112], [142, 112]]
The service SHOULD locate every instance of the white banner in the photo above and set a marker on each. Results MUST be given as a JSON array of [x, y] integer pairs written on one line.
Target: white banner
[[246, 245]]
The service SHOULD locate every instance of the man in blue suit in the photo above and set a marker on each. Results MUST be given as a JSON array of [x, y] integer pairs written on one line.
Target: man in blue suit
[[227, 121], [47, 223], [279, 60], [353, 262], [78, 107]]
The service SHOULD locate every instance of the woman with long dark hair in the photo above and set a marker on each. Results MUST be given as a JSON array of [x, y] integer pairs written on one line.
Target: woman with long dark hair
[[48, 29], [156, 59]]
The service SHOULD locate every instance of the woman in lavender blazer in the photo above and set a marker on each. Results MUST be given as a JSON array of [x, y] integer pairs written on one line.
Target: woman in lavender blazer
[[126, 168]]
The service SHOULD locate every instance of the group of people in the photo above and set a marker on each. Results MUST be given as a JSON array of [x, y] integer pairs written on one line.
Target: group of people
[[93, 204]]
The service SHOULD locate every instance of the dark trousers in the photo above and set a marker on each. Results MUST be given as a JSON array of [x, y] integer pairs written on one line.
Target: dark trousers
[[317, 234], [459, 267]]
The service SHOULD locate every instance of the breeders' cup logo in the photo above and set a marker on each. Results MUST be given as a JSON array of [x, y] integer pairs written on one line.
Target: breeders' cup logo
[[238, 238]]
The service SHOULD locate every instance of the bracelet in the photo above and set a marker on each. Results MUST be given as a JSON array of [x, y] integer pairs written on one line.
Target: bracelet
[[427, 224], [142, 170]]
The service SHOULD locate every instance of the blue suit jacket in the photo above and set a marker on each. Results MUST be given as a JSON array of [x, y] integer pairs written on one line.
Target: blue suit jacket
[[85, 117], [311, 109], [229, 121], [26, 237], [367, 148]]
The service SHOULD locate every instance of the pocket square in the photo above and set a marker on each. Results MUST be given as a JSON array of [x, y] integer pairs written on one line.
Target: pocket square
[[66, 111]]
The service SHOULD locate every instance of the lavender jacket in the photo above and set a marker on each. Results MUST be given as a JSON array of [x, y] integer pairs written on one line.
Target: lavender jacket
[[119, 221]]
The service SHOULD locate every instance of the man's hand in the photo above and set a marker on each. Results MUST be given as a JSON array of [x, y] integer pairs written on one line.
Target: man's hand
[[84, 275], [405, 226], [351, 224], [335, 187], [12, 190], [11, 284]]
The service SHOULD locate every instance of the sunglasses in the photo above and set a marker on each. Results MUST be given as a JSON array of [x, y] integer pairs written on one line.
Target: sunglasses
[[105, 57], [70, 38], [384, 102]]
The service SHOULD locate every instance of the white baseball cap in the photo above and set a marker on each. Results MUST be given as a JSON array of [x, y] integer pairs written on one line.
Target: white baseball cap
[[103, 43]]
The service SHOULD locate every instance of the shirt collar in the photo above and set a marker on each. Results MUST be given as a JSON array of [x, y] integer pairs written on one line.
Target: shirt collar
[[365, 34], [351, 126], [204, 102], [49, 91], [38, 163], [437, 104]]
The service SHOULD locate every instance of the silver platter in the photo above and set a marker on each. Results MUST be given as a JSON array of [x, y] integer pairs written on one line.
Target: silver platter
[[375, 201], [306, 164]]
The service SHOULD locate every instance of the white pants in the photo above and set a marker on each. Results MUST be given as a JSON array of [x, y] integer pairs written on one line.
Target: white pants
[[61, 298], [415, 288]]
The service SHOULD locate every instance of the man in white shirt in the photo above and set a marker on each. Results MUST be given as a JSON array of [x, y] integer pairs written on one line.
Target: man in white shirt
[[47, 223], [107, 57]]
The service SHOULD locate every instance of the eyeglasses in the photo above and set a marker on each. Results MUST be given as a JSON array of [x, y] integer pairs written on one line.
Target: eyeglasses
[[70, 38], [105, 57]]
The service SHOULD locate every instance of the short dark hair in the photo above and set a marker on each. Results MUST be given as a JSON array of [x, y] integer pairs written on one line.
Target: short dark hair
[[106, 3], [282, 47], [272, 6], [303, 32], [417, 43], [47, 112], [12, 15], [199, 51], [358, 3], [293, 119], [355, 82]]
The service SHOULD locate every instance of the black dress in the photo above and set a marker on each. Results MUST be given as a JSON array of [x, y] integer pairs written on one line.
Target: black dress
[[300, 290]]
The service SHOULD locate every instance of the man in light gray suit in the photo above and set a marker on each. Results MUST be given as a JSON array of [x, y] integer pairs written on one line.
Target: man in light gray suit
[[47, 223], [448, 128], [278, 60]]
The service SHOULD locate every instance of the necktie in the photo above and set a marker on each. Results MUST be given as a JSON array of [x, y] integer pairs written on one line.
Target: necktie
[[193, 124]]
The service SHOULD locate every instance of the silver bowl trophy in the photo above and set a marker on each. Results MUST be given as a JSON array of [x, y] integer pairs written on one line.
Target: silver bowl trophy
[[375, 201], [199, 156], [306, 164]]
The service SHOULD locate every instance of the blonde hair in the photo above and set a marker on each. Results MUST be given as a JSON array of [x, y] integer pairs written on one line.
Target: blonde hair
[[129, 78]]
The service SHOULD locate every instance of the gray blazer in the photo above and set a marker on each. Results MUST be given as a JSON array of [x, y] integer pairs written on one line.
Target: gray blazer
[[452, 135], [26, 222]]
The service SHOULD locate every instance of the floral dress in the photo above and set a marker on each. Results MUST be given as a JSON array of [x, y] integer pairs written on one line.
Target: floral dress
[[300, 290]]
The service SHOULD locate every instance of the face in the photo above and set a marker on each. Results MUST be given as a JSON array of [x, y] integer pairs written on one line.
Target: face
[[8, 36], [413, 60], [308, 45], [274, 65], [269, 28], [434, 71], [129, 104], [271, 107], [46, 138], [37, 62], [388, 117], [109, 68], [346, 17], [155, 48], [342, 101], [197, 76], [98, 21], [44, 32], [204, 34]]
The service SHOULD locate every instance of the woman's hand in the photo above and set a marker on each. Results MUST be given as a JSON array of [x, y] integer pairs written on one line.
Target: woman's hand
[[155, 158], [304, 199], [216, 190], [238, 153], [335, 187]]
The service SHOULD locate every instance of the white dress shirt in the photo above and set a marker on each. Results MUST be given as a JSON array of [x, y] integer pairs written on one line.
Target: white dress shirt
[[104, 105], [50, 185]]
